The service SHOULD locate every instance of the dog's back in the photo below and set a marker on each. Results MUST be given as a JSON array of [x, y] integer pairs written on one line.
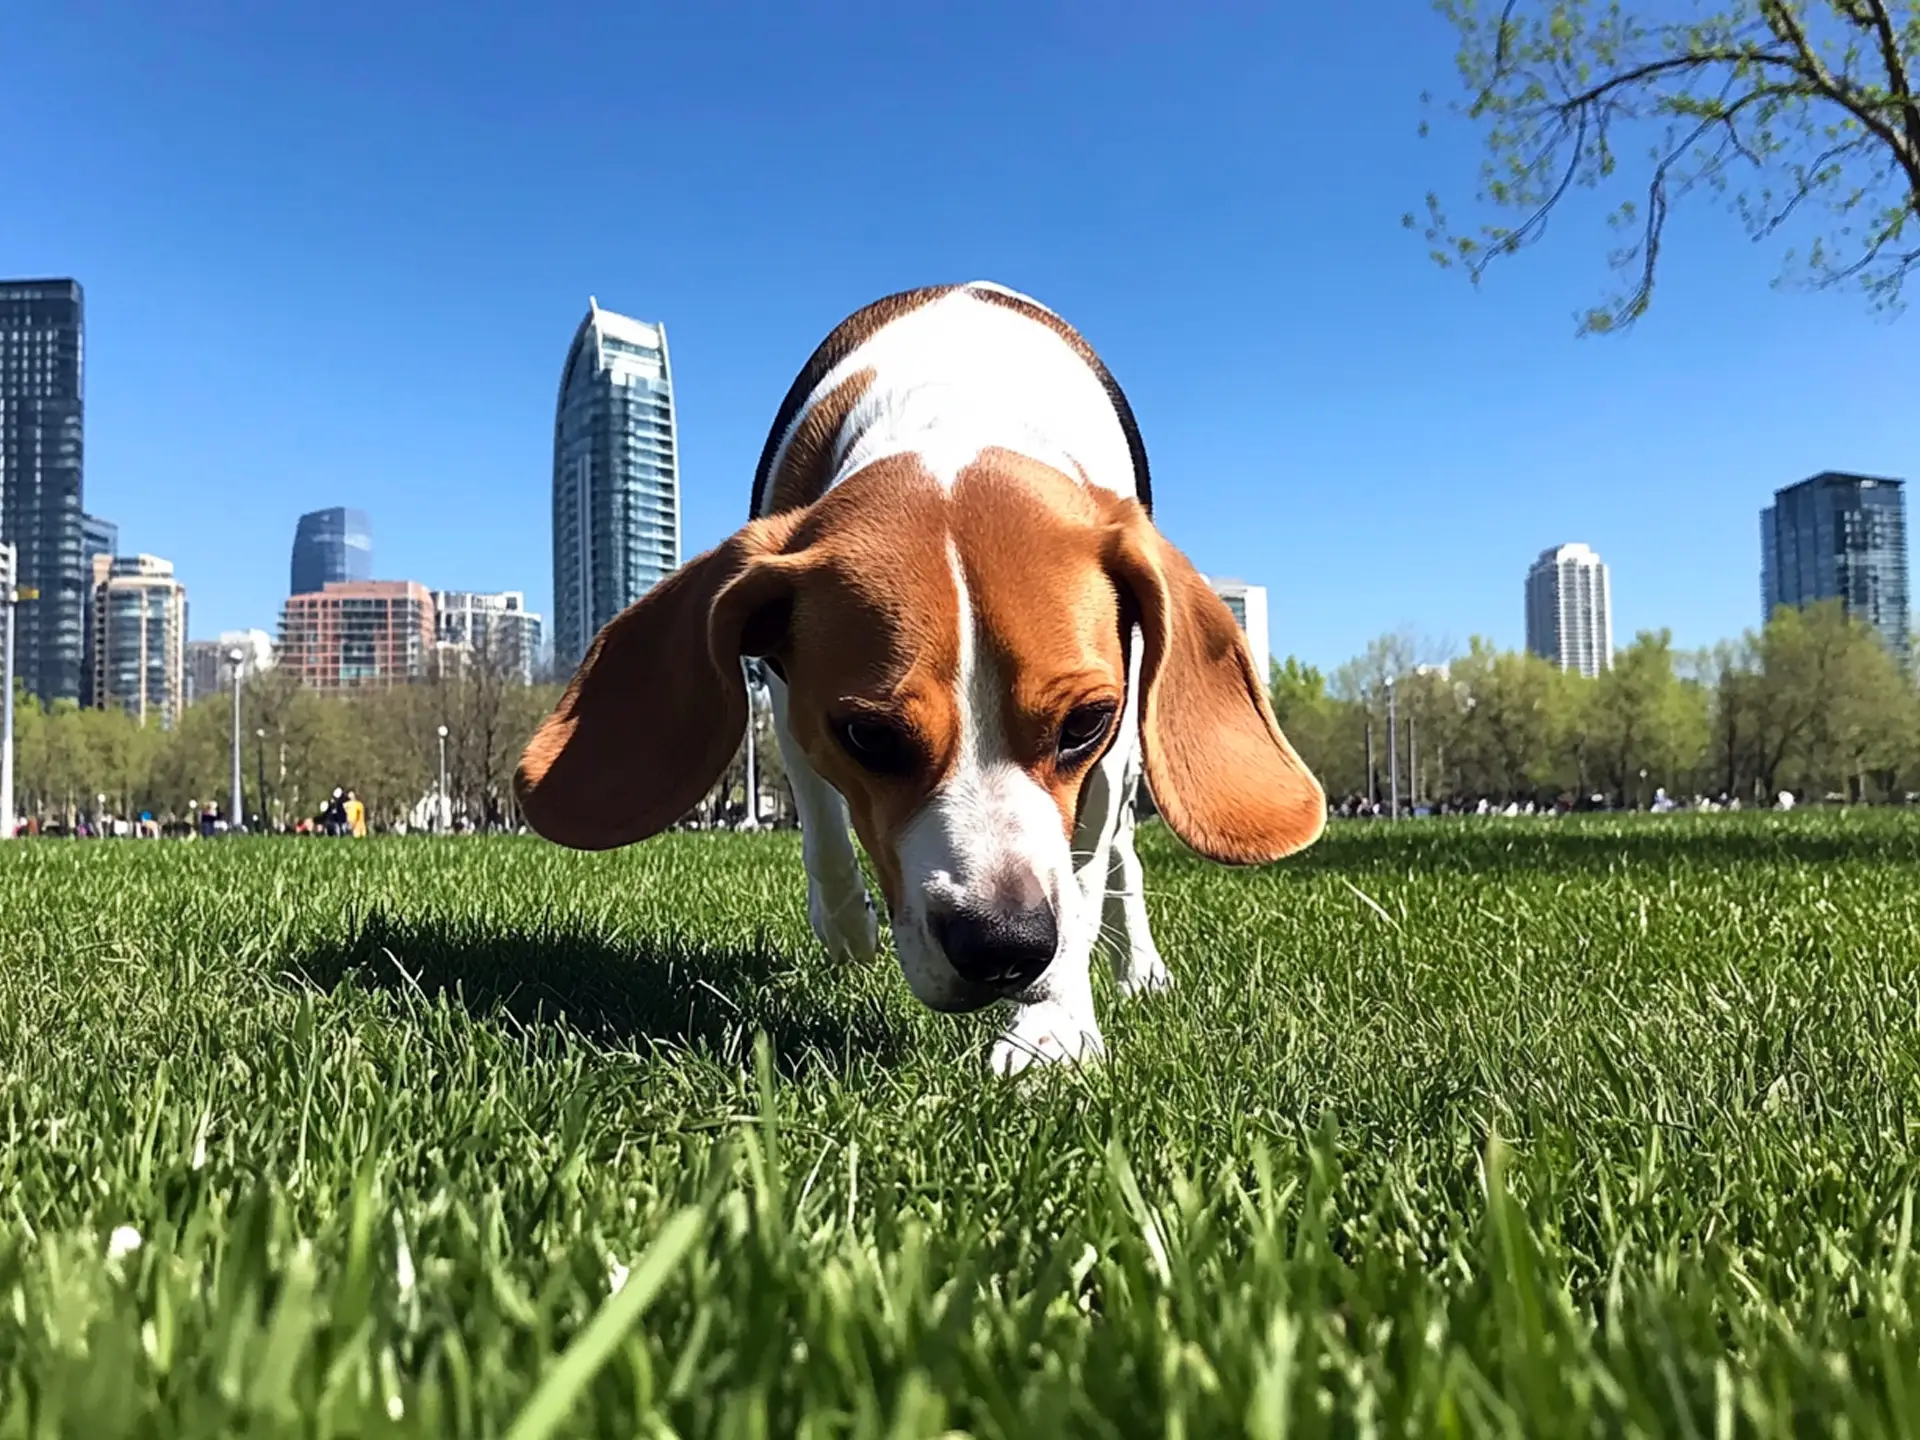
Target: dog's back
[[943, 373]]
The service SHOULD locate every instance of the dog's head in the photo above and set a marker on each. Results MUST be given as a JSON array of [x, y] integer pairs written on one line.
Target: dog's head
[[955, 658]]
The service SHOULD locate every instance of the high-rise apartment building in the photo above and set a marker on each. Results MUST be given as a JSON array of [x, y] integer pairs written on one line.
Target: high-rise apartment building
[[210, 662], [616, 477], [1840, 537], [329, 546], [358, 634], [41, 453], [140, 638], [1570, 610], [97, 537], [1249, 606], [496, 630]]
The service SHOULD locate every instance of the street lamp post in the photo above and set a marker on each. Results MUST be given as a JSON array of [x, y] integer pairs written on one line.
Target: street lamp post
[[1393, 753], [442, 811], [260, 766], [1413, 766], [237, 658], [1373, 778]]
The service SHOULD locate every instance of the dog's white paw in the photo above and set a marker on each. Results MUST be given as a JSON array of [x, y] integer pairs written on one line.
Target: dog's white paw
[[1145, 973], [848, 928], [1046, 1034]]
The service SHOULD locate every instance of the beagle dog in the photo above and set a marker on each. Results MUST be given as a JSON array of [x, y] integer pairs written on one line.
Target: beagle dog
[[977, 638]]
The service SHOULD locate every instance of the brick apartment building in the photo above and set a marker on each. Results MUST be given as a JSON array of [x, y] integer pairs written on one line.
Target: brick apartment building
[[358, 634]]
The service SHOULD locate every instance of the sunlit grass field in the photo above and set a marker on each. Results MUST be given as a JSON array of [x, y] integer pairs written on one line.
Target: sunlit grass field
[[1495, 1127]]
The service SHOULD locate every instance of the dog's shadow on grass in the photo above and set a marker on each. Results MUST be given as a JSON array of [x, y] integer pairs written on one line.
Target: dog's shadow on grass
[[668, 989]]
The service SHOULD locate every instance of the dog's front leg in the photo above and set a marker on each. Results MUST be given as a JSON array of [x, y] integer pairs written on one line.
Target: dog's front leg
[[838, 906], [1137, 966]]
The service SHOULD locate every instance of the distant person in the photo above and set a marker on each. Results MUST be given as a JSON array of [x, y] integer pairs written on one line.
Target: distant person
[[333, 819], [356, 817]]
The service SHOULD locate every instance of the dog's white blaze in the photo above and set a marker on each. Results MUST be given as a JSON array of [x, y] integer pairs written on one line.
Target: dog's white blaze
[[962, 374], [987, 822]]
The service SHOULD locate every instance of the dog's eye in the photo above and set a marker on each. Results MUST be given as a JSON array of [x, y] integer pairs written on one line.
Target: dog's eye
[[1084, 729], [878, 746]]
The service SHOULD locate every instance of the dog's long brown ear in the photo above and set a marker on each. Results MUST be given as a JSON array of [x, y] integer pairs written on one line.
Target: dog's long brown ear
[[656, 710], [1222, 774]]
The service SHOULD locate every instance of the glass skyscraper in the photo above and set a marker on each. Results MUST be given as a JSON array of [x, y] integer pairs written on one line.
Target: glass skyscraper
[[42, 323], [616, 477], [329, 546], [1840, 537]]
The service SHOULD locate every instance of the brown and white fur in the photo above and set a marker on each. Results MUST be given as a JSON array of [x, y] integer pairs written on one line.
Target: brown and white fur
[[978, 638]]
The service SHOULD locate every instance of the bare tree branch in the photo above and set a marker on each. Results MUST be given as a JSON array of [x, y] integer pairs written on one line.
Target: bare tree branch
[[1747, 91]]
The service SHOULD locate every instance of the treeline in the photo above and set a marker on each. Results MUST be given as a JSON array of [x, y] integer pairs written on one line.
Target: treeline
[[297, 746], [1813, 704]]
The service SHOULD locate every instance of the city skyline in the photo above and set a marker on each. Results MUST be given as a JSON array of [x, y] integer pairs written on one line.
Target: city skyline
[[1379, 443], [613, 355], [617, 385]]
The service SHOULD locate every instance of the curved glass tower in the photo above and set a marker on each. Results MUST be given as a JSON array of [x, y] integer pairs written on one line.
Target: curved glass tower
[[616, 477], [330, 545]]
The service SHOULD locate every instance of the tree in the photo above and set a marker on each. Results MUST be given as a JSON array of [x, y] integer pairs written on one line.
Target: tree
[[195, 764], [1734, 742], [1833, 704], [1505, 747], [1783, 108], [1329, 734], [1644, 720]]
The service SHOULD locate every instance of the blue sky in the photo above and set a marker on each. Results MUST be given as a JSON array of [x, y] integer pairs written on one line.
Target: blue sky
[[334, 255]]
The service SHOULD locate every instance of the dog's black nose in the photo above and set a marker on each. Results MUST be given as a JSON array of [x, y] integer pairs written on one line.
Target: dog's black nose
[[1006, 950]]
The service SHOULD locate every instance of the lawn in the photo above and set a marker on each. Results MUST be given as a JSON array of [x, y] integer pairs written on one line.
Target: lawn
[[1592, 1126]]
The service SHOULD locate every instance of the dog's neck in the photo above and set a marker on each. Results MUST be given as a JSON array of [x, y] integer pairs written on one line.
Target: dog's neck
[[944, 381], [946, 424]]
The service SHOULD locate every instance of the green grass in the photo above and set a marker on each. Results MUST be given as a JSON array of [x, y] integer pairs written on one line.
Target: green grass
[[1601, 1127]]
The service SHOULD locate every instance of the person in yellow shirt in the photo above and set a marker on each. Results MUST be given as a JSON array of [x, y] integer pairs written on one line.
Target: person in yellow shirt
[[356, 817]]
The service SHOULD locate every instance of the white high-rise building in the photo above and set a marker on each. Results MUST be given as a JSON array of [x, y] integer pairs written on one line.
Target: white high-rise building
[[497, 628], [1570, 610], [1249, 606]]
